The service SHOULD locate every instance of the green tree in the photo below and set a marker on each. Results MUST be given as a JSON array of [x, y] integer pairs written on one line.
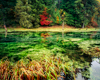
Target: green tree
[[81, 11], [37, 9], [3, 16], [89, 9], [52, 10], [70, 16], [23, 10], [7, 12]]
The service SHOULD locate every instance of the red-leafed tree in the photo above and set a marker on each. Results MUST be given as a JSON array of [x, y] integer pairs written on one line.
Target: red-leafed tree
[[45, 19], [94, 23]]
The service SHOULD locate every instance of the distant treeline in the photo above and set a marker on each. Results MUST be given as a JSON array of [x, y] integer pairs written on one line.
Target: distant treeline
[[35, 13]]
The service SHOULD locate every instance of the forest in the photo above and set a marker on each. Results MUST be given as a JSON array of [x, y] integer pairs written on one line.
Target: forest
[[49, 39], [36, 13]]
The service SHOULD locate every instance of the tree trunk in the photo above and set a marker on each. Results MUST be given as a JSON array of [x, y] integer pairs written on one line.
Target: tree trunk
[[3, 14], [59, 3], [83, 25], [5, 29]]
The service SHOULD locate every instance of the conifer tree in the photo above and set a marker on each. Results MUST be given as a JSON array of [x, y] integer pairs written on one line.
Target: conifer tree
[[37, 9], [51, 6], [23, 11]]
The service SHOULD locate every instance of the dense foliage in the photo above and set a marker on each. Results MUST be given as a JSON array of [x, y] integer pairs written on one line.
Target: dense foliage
[[23, 10], [79, 13], [7, 12]]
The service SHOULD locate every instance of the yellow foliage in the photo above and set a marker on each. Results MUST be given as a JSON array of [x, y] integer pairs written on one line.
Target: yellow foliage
[[57, 18], [61, 11], [55, 9], [64, 13]]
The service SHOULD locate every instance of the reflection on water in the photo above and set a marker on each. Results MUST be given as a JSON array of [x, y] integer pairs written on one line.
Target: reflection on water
[[79, 77], [94, 71]]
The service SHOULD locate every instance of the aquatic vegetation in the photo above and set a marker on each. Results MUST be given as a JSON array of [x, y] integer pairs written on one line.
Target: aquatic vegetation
[[46, 54], [45, 69]]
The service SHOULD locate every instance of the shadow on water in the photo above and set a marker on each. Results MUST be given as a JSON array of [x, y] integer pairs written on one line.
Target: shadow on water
[[94, 34], [14, 43], [81, 63]]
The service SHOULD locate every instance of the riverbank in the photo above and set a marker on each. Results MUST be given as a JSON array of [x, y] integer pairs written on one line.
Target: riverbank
[[53, 29]]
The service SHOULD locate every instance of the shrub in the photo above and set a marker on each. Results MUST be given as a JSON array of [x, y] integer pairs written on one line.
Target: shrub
[[44, 19]]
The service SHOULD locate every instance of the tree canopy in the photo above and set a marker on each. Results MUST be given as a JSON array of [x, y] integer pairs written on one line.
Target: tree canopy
[[26, 13]]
